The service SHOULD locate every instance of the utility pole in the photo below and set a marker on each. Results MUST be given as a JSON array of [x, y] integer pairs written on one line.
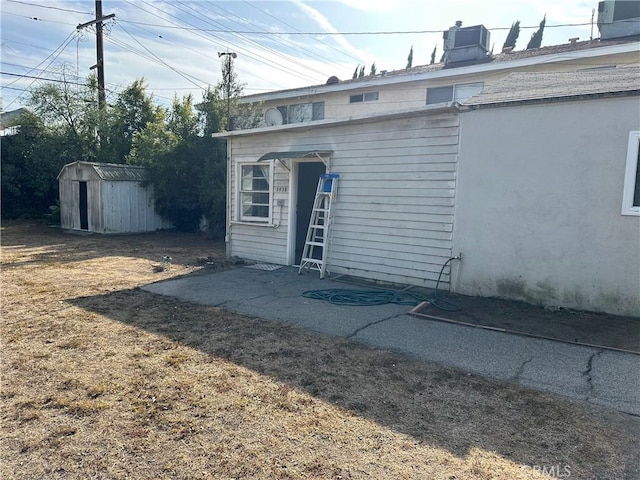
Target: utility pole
[[99, 50], [230, 56]]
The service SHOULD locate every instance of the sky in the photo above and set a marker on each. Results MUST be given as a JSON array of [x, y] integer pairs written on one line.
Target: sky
[[174, 44]]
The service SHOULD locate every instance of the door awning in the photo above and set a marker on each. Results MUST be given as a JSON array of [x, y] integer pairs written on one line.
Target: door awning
[[295, 154], [322, 155]]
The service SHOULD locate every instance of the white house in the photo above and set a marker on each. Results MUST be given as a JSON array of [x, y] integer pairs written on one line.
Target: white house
[[407, 154], [106, 198]]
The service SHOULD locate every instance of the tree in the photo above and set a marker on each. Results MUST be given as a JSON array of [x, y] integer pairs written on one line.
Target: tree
[[129, 115], [373, 69], [60, 128], [355, 72], [31, 161], [361, 74], [433, 56], [70, 110], [410, 58], [186, 167], [536, 38], [512, 36]]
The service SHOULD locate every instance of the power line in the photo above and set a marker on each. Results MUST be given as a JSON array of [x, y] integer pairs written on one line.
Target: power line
[[252, 42], [64, 44], [342, 52], [163, 62], [48, 6], [40, 78], [380, 32], [222, 45]]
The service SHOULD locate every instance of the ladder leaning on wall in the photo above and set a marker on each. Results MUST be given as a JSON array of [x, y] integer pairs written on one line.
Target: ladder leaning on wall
[[315, 254]]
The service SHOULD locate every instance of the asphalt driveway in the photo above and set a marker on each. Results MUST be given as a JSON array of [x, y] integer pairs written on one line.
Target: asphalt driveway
[[597, 375]]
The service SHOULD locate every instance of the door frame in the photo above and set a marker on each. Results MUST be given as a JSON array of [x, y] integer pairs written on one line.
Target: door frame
[[293, 204], [83, 204]]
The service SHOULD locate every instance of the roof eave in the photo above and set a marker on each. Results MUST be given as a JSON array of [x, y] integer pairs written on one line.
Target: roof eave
[[370, 118]]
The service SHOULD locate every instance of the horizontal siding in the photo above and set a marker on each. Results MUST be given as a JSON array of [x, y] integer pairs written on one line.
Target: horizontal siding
[[395, 204]]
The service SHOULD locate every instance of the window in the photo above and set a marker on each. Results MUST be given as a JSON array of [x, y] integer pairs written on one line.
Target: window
[[302, 112], [439, 95], [631, 190], [363, 97], [453, 93], [255, 192]]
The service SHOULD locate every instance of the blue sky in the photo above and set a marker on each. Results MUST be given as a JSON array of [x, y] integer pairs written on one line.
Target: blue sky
[[174, 44]]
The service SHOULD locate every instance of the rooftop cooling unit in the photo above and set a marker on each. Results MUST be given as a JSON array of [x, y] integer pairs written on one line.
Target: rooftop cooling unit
[[618, 18], [465, 44]]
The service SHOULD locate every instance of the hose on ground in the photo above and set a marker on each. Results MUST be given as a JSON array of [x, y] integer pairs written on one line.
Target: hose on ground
[[440, 302], [347, 297]]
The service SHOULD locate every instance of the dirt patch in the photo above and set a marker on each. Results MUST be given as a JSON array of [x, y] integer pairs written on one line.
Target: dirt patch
[[103, 380], [588, 328]]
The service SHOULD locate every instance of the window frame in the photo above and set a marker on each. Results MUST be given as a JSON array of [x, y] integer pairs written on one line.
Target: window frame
[[362, 97], [630, 174], [455, 88], [240, 216]]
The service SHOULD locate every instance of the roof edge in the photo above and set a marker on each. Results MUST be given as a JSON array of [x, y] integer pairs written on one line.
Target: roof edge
[[369, 82], [558, 99], [372, 118]]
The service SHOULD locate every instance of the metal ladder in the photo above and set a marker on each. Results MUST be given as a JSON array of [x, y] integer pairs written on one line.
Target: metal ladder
[[315, 254]]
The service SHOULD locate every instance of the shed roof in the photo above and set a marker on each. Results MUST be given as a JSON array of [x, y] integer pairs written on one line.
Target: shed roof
[[528, 86], [114, 171]]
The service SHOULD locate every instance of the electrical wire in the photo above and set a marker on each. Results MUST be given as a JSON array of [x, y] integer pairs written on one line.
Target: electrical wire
[[59, 51], [276, 53], [340, 51], [48, 6], [183, 75], [244, 51]]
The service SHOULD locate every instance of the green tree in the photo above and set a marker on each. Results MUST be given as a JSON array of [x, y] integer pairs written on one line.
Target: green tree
[[512, 36], [373, 69], [61, 127], [361, 73], [70, 111], [433, 56], [31, 161], [355, 72], [186, 167], [536, 38], [132, 110], [410, 58]]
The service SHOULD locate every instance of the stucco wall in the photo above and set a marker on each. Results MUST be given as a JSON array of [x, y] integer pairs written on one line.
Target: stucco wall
[[538, 205]]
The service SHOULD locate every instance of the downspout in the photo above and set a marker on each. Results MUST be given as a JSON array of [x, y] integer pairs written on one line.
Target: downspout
[[227, 236]]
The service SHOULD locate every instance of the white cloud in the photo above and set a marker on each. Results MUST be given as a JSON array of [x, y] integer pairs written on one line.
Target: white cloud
[[324, 23]]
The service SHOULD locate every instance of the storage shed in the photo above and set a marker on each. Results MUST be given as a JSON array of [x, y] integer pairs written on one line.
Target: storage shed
[[106, 198]]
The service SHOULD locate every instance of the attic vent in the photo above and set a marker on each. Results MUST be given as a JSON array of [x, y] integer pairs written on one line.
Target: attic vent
[[618, 18], [333, 80], [465, 44]]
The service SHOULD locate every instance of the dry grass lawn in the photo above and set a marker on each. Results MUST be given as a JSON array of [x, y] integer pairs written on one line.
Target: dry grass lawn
[[102, 380]]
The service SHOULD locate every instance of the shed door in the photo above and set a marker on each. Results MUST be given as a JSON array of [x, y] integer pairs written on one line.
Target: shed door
[[84, 207], [308, 175]]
